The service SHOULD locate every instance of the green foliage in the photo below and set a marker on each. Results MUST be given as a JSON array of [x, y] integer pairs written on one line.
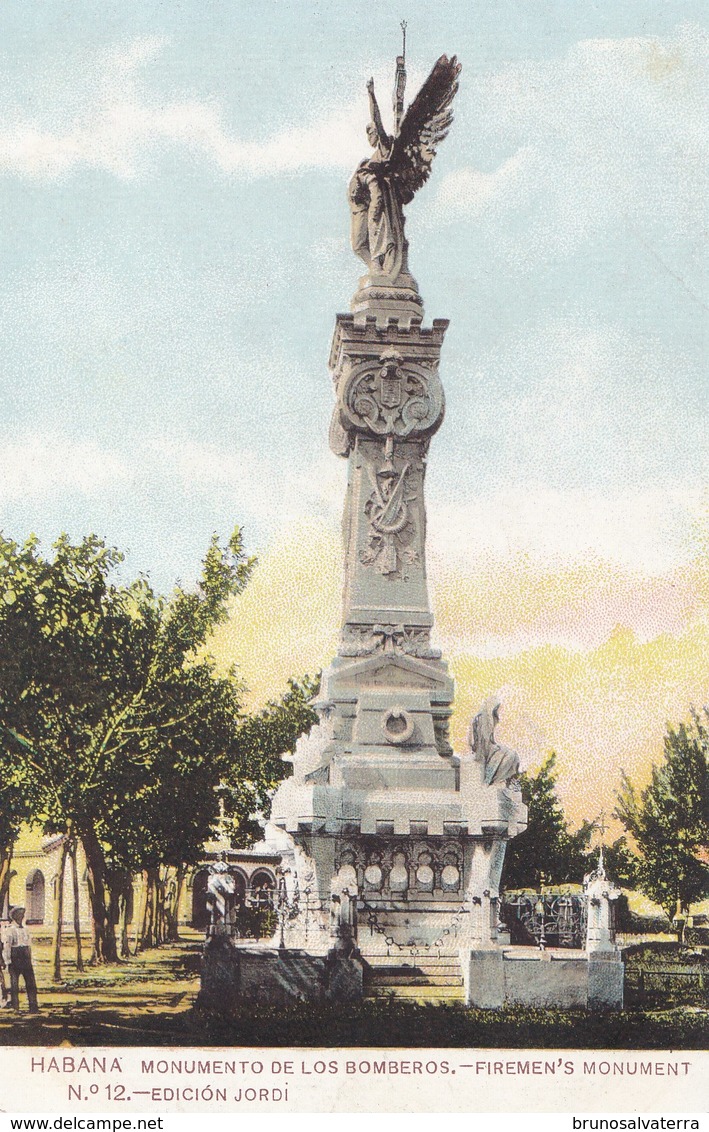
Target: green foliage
[[621, 863], [385, 1023], [547, 852], [669, 821], [258, 767], [115, 723], [16, 793], [116, 727], [101, 680]]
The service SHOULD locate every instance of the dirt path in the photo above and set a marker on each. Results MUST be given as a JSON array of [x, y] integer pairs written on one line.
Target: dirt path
[[144, 1001]]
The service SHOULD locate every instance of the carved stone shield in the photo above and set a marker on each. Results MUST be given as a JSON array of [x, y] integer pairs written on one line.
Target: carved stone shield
[[390, 394]]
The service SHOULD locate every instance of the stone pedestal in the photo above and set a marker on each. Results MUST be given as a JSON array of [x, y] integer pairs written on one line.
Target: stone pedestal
[[235, 976], [484, 978], [606, 976], [378, 802], [390, 298], [561, 978]]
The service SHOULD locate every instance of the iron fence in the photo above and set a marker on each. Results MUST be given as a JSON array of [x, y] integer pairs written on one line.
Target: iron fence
[[545, 919], [661, 985]]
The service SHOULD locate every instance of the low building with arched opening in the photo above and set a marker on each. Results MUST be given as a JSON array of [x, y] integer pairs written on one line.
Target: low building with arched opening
[[34, 877], [255, 882]]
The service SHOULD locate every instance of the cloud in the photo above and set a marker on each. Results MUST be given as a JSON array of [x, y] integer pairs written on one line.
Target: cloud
[[279, 494], [577, 402], [47, 465], [651, 530], [468, 192], [122, 125], [592, 659], [44, 465], [602, 709], [615, 132]]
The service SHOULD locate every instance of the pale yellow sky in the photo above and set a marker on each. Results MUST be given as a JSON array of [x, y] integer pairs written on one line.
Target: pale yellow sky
[[590, 659]]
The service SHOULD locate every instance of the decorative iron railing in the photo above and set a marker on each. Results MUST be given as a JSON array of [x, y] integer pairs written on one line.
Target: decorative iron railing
[[545, 919]]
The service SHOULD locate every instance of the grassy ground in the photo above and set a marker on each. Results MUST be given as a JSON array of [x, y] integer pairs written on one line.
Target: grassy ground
[[131, 1003], [149, 1000]]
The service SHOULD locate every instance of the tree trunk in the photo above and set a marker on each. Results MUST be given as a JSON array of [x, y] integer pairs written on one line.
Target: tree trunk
[[5, 873], [139, 919], [104, 934], [59, 913], [680, 919], [94, 957], [148, 929], [122, 894], [77, 910], [173, 906], [125, 912], [159, 908]]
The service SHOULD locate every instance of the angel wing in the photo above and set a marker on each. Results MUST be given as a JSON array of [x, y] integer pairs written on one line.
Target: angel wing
[[425, 125]]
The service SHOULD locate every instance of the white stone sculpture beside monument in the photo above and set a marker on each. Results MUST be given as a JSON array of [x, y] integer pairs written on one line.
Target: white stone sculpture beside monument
[[221, 891], [601, 894], [606, 972]]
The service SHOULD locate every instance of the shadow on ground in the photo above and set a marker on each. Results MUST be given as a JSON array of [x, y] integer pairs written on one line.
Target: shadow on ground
[[150, 1001]]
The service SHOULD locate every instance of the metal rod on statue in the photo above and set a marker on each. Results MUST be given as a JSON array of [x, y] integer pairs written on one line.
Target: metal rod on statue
[[400, 82]]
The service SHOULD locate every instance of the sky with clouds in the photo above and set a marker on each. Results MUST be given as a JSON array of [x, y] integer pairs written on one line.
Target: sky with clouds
[[174, 240]]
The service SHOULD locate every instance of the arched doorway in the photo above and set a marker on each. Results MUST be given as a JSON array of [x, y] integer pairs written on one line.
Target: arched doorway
[[263, 887], [258, 919], [34, 898], [239, 887], [200, 915]]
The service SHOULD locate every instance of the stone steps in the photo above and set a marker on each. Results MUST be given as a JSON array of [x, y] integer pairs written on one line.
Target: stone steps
[[428, 979], [423, 961], [414, 979], [418, 994]]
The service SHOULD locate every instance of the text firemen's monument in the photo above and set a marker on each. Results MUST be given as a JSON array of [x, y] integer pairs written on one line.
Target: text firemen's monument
[[392, 844]]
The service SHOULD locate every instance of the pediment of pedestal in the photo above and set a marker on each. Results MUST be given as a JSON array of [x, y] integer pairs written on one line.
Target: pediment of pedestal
[[391, 670]]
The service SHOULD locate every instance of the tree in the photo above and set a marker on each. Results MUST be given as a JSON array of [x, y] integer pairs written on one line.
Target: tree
[[669, 821], [15, 807], [110, 710], [546, 852], [620, 862], [19, 640], [250, 767], [261, 741]]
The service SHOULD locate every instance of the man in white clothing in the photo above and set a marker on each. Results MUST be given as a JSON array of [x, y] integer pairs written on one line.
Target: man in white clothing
[[18, 950], [4, 992]]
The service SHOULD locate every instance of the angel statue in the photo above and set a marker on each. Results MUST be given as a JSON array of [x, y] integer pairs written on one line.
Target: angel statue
[[383, 183], [501, 764]]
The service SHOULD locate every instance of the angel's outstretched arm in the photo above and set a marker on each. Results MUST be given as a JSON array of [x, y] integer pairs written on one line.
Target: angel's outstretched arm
[[376, 115]]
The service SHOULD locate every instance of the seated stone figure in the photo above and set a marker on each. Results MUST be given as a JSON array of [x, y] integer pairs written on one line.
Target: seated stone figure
[[501, 763]]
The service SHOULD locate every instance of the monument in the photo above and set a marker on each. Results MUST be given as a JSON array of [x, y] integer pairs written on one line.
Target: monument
[[378, 803], [392, 844]]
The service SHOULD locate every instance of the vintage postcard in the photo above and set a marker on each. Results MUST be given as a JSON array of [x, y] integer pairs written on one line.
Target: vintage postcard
[[354, 739]]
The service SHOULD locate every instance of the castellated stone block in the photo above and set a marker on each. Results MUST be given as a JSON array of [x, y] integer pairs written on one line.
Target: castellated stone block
[[562, 979], [606, 976], [234, 977]]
